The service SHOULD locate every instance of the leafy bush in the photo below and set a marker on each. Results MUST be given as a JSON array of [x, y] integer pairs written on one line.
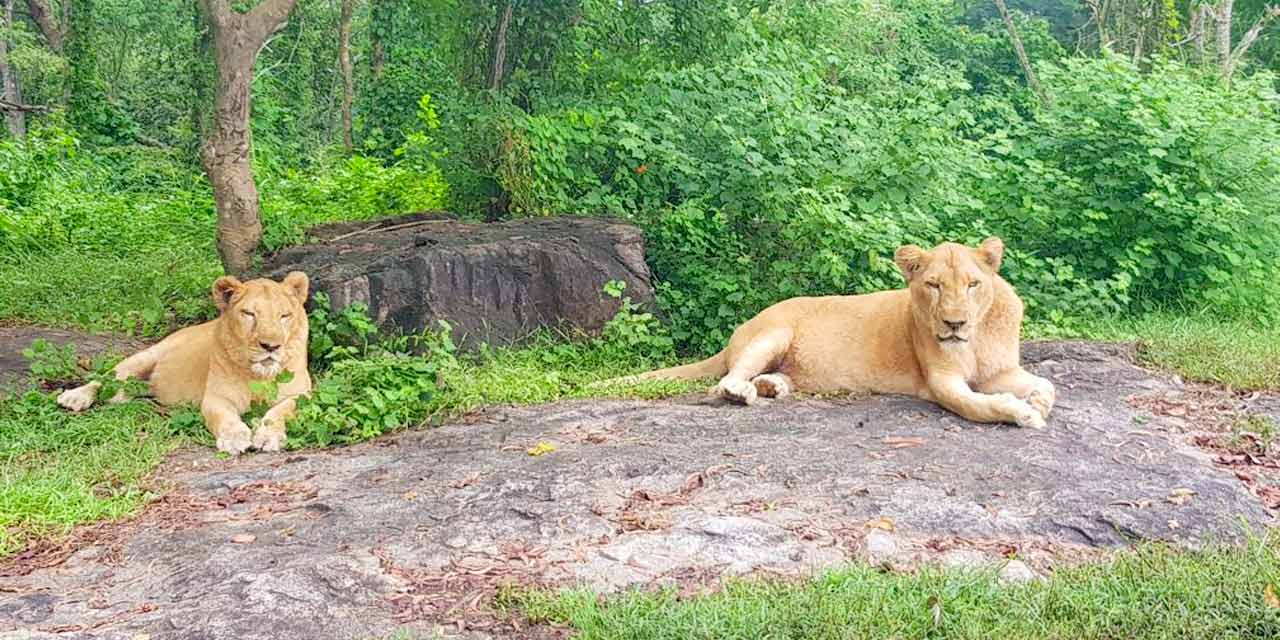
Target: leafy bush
[[790, 167], [1142, 189], [364, 388]]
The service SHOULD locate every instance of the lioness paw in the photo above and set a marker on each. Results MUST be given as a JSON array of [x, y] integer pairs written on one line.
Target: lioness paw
[[772, 385], [234, 439], [1019, 412], [78, 399], [740, 391], [268, 437], [1042, 402]]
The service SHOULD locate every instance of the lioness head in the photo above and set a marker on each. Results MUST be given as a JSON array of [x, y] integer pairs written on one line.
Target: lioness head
[[263, 321], [952, 286]]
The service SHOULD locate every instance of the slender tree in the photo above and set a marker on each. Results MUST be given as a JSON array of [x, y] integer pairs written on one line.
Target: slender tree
[[344, 61], [42, 14], [1030, 73], [15, 118], [228, 142]]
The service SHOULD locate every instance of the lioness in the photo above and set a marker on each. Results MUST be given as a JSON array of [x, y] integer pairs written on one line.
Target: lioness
[[261, 330], [952, 337]]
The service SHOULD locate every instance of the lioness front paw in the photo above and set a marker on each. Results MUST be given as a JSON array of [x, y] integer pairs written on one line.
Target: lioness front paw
[[234, 439], [268, 437], [1042, 400], [740, 391], [1021, 412], [79, 398], [772, 385]]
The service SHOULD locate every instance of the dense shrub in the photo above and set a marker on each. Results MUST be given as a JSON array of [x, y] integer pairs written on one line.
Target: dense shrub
[[1143, 188], [829, 133]]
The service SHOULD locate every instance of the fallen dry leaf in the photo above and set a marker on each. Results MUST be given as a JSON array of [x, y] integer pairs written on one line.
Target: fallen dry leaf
[[902, 442], [410, 495], [1269, 596], [541, 448], [935, 610], [243, 538], [466, 482], [883, 523], [1180, 496]]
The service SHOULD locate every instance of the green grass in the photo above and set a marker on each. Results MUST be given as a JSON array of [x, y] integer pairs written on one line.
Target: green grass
[[1198, 346], [1150, 593], [147, 293], [58, 469]]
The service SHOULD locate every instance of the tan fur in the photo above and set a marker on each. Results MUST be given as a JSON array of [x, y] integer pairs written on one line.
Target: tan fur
[[894, 342], [260, 331]]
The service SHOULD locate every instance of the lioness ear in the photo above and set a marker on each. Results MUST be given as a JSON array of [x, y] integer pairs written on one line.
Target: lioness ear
[[298, 283], [224, 289], [909, 259], [992, 252]]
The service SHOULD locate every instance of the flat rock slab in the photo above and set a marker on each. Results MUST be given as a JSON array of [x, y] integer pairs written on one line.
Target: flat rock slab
[[493, 283], [14, 368], [424, 526]]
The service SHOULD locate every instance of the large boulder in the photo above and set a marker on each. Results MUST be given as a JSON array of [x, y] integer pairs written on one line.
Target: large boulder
[[495, 282]]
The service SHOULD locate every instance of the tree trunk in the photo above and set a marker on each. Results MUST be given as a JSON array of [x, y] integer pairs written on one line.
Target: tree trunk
[[497, 67], [228, 144], [42, 14], [16, 119], [1223, 19], [1030, 73], [348, 82], [377, 23]]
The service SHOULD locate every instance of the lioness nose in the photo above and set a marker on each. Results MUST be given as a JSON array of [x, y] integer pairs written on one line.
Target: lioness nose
[[954, 324], [267, 346]]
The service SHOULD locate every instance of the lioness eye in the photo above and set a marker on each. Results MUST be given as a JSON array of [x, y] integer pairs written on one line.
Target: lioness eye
[[247, 312], [974, 284], [933, 285], [286, 316]]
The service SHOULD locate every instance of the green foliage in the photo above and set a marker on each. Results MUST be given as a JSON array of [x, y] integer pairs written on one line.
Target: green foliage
[[633, 329], [337, 335], [366, 393], [1142, 189], [786, 168], [50, 363]]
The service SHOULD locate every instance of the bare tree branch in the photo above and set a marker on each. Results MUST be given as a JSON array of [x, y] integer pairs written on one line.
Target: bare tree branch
[[1268, 14], [1032, 81], [7, 106]]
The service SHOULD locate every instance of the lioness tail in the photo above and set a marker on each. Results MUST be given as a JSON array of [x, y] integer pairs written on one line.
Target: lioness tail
[[714, 366]]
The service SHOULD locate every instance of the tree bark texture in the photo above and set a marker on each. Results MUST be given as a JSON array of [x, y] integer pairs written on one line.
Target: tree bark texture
[[348, 81], [225, 153], [42, 13], [497, 67], [15, 119], [1030, 73]]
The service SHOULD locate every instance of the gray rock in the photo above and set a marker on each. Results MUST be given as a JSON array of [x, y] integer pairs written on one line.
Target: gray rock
[[1017, 572], [966, 559], [683, 491], [492, 282], [880, 546]]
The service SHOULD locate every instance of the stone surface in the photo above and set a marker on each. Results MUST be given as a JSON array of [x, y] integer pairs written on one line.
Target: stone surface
[[14, 367], [1017, 572], [493, 282], [421, 527]]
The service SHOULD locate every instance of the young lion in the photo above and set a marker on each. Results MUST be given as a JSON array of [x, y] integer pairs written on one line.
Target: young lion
[[261, 330], [951, 337]]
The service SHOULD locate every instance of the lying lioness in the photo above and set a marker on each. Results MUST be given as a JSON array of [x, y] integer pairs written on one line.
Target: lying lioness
[[952, 337], [261, 330]]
